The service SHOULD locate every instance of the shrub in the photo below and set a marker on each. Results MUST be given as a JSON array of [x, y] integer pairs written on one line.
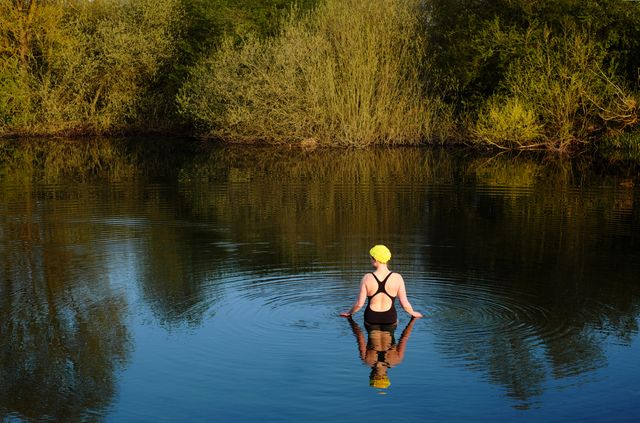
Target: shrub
[[83, 66], [621, 146], [559, 92], [508, 123], [14, 95], [348, 73]]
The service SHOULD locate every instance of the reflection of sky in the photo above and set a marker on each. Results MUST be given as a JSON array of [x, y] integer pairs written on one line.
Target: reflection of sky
[[122, 258]]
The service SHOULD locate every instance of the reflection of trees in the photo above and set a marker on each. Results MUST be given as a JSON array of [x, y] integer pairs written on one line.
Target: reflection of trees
[[533, 226], [555, 243], [312, 204], [116, 160], [181, 266], [172, 276], [51, 161], [62, 336]]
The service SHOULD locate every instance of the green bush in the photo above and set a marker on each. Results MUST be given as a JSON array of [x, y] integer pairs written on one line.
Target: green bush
[[81, 67], [621, 146], [560, 93], [508, 123], [14, 95], [348, 73]]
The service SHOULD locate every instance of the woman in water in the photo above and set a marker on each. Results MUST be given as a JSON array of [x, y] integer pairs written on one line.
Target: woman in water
[[381, 287]]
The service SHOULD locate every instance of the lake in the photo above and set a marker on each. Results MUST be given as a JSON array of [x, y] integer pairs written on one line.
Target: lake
[[162, 281]]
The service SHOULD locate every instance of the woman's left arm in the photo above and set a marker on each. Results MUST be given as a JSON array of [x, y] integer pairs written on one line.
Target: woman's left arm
[[362, 343]]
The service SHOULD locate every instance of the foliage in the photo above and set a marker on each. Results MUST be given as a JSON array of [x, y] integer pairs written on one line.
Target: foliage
[[202, 26], [81, 65], [514, 74], [571, 65], [560, 92], [13, 93], [346, 74], [508, 122], [471, 58], [621, 147]]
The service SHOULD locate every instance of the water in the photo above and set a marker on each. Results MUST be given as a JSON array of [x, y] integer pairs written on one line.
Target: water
[[161, 282]]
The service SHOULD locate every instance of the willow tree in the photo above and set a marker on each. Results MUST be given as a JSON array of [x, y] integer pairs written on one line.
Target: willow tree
[[76, 66], [348, 73], [30, 31], [552, 74]]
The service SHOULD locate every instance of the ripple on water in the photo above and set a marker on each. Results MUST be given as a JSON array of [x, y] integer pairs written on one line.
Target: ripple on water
[[469, 316], [473, 312]]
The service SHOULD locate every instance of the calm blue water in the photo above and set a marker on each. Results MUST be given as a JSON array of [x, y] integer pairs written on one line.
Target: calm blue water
[[206, 285]]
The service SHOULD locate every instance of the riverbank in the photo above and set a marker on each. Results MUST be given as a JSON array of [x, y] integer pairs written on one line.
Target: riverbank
[[618, 150]]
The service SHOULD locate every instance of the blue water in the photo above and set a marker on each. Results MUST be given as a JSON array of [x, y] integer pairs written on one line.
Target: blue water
[[210, 290]]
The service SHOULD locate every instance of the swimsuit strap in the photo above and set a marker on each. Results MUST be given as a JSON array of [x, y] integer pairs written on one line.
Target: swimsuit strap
[[382, 358], [384, 280], [381, 285]]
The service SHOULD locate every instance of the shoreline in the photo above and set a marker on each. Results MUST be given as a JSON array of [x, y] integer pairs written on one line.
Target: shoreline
[[606, 149]]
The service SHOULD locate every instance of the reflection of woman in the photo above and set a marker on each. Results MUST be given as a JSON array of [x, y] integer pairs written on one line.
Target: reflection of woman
[[381, 352], [381, 287]]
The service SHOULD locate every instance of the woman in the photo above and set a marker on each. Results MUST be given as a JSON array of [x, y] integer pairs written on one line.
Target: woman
[[381, 287]]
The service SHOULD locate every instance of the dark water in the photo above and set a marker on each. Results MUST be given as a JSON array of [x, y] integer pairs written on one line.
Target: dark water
[[161, 281]]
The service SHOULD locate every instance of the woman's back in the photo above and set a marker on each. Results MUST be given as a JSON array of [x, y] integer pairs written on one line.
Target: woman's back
[[380, 301]]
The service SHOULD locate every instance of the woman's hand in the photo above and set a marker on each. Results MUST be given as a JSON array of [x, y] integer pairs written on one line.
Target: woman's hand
[[416, 314], [345, 314]]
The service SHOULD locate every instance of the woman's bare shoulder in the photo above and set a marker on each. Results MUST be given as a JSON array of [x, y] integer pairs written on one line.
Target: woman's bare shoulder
[[395, 281], [368, 279], [396, 277], [367, 276]]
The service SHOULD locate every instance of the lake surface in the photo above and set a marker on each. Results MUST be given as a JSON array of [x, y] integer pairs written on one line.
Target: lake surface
[[173, 281]]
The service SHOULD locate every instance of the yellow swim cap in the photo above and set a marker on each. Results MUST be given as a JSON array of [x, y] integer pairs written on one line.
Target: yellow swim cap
[[380, 383], [380, 253]]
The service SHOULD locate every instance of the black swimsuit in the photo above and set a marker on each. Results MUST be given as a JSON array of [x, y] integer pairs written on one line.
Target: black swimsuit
[[388, 317]]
